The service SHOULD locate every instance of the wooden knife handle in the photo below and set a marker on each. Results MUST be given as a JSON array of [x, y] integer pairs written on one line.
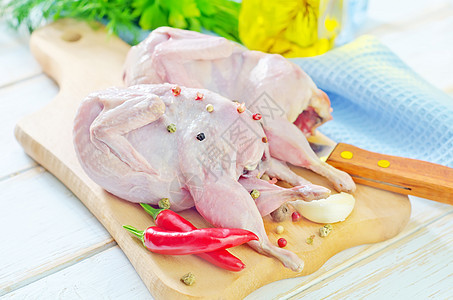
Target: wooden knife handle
[[393, 173]]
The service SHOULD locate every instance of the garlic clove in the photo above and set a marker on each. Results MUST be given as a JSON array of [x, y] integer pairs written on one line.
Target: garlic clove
[[333, 209]]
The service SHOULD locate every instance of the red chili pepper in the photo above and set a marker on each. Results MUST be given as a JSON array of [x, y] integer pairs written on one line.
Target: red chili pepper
[[169, 220], [161, 241]]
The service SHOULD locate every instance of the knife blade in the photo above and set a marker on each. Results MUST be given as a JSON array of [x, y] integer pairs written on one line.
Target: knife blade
[[393, 173]]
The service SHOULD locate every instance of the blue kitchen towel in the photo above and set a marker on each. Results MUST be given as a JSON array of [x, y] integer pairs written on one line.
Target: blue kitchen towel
[[380, 104]]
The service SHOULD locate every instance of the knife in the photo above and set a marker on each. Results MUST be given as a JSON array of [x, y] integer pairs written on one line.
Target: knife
[[393, 173]]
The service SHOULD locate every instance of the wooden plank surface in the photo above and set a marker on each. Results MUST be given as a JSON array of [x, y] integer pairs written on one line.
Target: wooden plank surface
[[16, 101], [419, 266], [43, 227], [391, 21], [106, 275], [16, 61]]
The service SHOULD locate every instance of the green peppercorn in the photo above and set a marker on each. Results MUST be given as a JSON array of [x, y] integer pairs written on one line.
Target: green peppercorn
[[325, 230], [255, 194], [164, 203], [171, 128], [188, 279]]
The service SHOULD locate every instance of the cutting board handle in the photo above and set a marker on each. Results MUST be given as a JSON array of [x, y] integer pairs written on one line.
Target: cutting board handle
[[405, 175], [68, 50]]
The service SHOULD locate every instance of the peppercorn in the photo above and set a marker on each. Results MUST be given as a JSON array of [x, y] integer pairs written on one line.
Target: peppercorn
[[255, 194], [310, 239], [295, 216], [273, 180], [200, 136], [164, 203], [241, 108], [171, 128], [210, 108], [282, 242], [188, 279], [325, 230], [176, 90], [199, 96], [257, 117], [265, 177]]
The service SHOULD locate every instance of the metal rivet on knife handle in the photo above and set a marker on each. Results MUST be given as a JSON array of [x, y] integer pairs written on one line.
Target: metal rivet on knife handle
[[383, 163], [346, 154]]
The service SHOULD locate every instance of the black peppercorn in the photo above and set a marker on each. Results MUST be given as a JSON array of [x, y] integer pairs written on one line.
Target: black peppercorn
[[200, 136]]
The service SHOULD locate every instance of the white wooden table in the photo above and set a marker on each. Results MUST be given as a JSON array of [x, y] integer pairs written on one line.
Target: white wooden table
[[51, 246]]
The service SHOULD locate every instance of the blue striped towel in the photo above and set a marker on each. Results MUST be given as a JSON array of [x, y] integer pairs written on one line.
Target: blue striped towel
[[380, 104]]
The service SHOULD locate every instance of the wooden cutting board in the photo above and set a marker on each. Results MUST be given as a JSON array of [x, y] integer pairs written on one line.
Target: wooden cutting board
[[82, 59]]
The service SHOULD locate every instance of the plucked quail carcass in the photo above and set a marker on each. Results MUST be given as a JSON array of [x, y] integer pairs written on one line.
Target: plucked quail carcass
[[289, 102], [149, 142]]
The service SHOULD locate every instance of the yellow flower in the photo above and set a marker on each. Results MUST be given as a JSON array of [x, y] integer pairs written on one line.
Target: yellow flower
[[292, 28]]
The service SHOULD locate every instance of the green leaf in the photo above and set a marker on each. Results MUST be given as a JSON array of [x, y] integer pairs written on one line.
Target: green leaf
[[185, 8], [139, 6], [194, 24], [153, 17], [175, 19], [206, 8], [219, 16]]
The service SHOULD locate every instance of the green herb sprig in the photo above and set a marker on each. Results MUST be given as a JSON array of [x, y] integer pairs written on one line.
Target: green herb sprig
[[219, 16]]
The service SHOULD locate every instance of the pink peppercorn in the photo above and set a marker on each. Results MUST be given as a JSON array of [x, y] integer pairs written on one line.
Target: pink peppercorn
[[282, 242], [199, 96], [256, 117], [176, 90], [273, 181], [295, 216], [241, 108]]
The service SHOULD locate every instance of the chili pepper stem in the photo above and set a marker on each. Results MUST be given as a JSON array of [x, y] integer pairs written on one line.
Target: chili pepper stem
[[151, 210], [138, 233]]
